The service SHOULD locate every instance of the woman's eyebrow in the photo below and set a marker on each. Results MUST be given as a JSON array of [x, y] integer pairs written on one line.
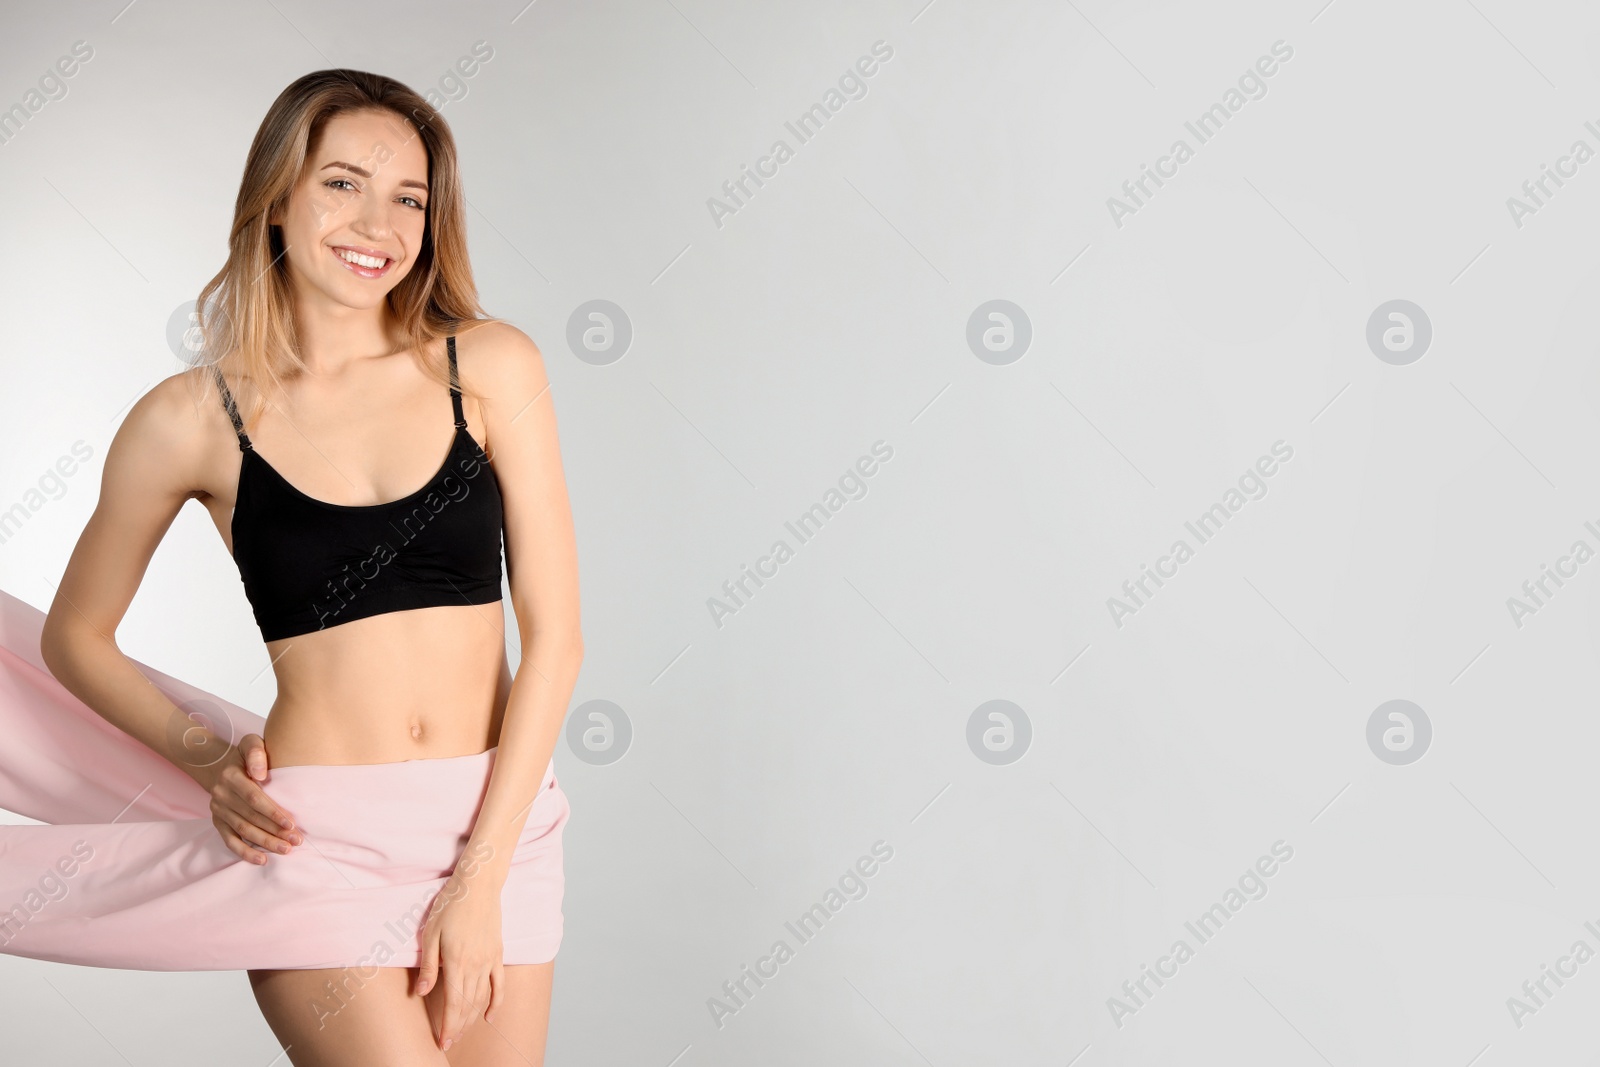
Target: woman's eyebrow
[[367, 174]]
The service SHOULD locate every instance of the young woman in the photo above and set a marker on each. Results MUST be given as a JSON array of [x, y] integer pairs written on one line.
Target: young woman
[[384, 855]]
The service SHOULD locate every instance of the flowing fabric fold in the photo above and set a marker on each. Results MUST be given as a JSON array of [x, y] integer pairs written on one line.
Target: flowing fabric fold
[[61, 762], [129, 871]]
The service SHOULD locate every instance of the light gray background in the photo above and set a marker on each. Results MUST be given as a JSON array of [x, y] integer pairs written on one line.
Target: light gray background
[[1167, 754]]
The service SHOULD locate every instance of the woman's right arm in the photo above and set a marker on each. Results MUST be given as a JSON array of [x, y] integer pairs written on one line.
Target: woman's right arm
[[156, 461]]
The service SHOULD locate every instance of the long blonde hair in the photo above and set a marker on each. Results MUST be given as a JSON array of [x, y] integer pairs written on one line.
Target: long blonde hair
[[245, 313]]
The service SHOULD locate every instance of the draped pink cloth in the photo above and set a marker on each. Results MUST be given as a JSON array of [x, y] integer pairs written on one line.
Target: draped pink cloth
[[130, 872]]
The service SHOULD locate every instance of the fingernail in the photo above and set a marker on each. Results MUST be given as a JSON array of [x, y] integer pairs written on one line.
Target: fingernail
[[447, 1044]]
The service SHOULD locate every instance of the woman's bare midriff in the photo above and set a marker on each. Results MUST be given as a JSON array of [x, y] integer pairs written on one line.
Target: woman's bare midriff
[[417, 684]]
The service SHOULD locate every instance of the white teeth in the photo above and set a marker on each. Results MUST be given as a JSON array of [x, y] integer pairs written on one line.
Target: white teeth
[[359, 260]]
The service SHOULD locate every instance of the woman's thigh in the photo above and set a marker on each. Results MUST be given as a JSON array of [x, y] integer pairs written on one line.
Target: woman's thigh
[[348, 1017], [516, 1035]]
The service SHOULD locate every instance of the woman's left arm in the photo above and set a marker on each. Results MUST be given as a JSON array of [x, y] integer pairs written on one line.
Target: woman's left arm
[[542, 567]]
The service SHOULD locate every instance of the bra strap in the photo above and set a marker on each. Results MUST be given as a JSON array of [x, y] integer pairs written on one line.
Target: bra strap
[[232, 410], [455, 383]]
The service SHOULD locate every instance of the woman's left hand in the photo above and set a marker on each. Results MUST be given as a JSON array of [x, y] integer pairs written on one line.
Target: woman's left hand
[[462, 935]]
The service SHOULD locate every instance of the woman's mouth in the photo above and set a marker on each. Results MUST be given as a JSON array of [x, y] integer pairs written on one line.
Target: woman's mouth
[[366, 266]]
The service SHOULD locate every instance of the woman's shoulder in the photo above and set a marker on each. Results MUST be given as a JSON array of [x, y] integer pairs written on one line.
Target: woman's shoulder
[[179, 402], [497, 357], [178, 424]]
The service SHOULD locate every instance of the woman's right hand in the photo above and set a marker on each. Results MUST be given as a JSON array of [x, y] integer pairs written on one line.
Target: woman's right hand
[[250, 822]]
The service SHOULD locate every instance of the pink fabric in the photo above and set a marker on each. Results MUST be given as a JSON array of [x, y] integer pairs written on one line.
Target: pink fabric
[[131, 873]]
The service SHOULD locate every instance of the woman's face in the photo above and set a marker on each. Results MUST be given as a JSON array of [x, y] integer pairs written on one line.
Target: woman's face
[[354, 222]]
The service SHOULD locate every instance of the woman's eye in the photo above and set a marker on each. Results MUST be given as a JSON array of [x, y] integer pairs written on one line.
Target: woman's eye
[[334, 183]]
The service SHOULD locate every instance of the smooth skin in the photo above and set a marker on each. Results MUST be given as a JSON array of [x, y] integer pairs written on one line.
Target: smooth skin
[[362, 425]]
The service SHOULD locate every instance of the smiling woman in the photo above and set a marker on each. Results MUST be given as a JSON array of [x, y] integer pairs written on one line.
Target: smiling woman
[[344, 339], [352, 203]]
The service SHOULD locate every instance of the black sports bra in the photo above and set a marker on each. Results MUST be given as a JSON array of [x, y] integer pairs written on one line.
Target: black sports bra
[[307, 564]]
